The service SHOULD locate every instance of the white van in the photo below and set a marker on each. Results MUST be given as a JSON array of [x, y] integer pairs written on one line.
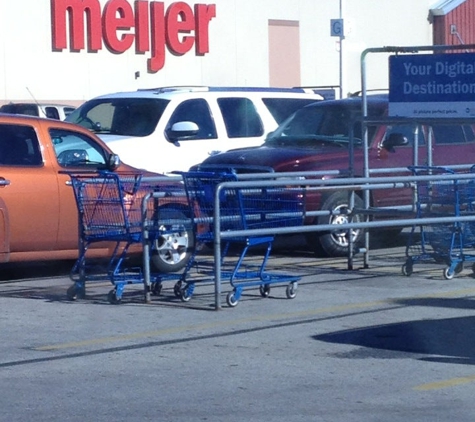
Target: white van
[[174, 128]]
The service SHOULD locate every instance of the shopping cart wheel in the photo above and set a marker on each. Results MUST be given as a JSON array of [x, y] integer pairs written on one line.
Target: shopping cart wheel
[[406, 269], [231, 299], [448, 274], [112, 297], [264, 290], [74, 292], [187, 292], [291, 290], [177, 289], [156, 288]]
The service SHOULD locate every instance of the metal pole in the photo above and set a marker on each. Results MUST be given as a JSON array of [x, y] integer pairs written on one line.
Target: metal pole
[[342, 36], [366, 193], [217, 248], [146, 250]]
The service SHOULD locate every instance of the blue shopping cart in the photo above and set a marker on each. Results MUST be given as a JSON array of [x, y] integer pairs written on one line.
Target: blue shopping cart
[[249, 209], [110, 210], [446, 242]]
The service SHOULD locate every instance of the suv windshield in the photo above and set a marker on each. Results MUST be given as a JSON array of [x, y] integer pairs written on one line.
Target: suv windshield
[[121, 116], [313, 125]]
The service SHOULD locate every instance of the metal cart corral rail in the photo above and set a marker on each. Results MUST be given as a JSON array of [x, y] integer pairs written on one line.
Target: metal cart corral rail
[[242, 209], [446, 243], [110, 210]]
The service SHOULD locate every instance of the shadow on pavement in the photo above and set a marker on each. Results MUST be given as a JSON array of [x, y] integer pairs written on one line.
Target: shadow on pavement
[[453, 303], [443, 340], [27, 270]]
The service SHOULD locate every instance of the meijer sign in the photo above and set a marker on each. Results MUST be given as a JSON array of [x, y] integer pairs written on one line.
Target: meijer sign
[[119, 26], [432, 85]]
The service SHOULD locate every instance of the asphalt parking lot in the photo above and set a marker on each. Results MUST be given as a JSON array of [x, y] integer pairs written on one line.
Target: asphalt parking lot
[[362, 345]]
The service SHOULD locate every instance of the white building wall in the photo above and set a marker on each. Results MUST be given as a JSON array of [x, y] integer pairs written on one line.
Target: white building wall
[[238, 38]]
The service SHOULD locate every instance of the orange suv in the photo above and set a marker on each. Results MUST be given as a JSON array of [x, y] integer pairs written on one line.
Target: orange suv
[[38, 212]]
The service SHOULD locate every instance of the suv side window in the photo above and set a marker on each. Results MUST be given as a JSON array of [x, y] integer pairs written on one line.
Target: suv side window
[[52, 113], [19, 146], [453, 134], [240, 118], [76, 149], [196, 111]]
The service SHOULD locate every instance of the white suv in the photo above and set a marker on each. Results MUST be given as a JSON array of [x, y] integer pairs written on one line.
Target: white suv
[[174, 128]]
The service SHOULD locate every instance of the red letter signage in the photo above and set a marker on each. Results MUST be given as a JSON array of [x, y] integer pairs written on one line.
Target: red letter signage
[[203, 15], [119, 25], [180, 20], [157, 17], [118, 16], [76, 9]]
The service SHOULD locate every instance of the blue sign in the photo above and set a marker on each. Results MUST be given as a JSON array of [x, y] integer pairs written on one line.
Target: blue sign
[[432, 85]]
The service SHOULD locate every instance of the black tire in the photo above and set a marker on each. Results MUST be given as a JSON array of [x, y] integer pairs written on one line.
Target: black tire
[[172, 250], [75, 292], [264, 290], [177, 289], [335, 243], [113, 299], [406, 269], [156, 288], [72, 292]]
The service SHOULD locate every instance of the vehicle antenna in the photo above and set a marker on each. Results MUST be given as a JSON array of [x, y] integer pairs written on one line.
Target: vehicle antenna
[[35, 100]]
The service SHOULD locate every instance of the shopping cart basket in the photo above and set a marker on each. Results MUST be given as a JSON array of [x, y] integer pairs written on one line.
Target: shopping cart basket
[[446, 242], [248, 209], [110, 210]]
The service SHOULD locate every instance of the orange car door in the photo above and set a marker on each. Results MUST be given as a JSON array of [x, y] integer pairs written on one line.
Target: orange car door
[[29, 191], [73, 152]]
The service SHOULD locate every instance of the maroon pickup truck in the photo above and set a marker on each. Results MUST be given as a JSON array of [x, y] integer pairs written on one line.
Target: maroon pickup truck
[[316, 138]]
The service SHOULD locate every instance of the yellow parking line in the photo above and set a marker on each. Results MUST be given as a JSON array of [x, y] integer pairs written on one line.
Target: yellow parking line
[[234, 322], [445, 384], [185, 328]]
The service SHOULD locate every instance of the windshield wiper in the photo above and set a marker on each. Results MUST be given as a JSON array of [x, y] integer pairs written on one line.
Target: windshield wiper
[[339, 139], [312, 140]]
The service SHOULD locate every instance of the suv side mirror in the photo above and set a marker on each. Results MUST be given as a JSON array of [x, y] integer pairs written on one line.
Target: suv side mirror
[[182, 130], [113, 162], [394, 140]]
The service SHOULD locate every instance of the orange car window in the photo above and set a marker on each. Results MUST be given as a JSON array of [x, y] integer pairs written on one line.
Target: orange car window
[[19, 146]]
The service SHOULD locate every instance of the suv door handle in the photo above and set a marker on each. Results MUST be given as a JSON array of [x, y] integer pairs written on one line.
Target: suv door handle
[[4, 182]]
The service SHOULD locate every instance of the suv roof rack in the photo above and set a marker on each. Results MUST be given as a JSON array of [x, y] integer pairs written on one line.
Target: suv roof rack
[[188, 88], [202, 88]]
